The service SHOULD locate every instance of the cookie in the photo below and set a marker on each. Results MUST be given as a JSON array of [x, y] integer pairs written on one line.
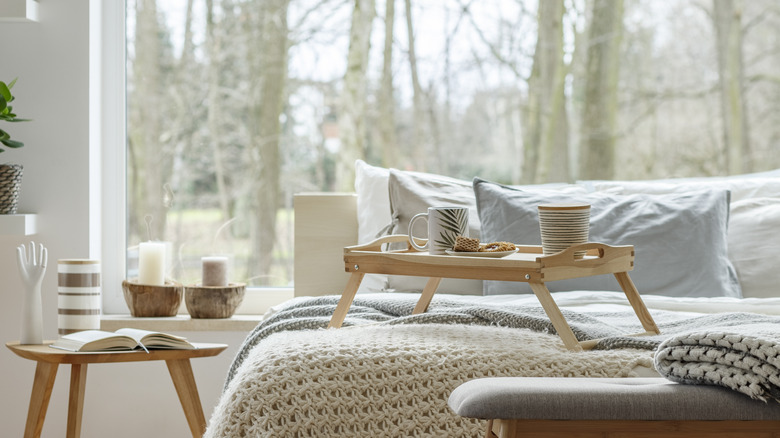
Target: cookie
[[466, 244], [498, 247]]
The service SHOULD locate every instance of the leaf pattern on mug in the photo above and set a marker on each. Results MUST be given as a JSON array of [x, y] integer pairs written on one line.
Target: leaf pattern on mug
[[453, 222]]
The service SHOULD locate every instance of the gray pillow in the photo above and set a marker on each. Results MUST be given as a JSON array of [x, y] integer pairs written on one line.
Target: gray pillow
[[679, 239], [412, 193]]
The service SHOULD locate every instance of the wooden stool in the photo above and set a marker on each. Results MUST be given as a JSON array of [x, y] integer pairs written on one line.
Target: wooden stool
[[612, 407], [49, 359]]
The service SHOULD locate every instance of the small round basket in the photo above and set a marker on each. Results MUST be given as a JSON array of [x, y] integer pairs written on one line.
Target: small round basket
[[213, 301], [146, 300]]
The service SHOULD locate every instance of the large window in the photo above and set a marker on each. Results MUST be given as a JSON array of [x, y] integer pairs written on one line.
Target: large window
[[236, 105]]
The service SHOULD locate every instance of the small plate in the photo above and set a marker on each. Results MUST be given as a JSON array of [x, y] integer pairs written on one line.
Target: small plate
[[496, 254]]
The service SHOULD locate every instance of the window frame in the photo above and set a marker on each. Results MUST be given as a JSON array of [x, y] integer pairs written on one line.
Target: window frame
[[108, 118]]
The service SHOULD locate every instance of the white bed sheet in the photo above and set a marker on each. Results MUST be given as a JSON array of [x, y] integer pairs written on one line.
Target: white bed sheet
[[597, 301]]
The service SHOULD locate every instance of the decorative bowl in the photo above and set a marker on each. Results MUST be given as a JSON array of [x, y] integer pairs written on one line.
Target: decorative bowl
[[146, 300], [213, 301]]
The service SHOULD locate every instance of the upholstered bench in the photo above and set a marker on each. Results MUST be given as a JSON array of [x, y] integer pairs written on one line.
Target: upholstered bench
[[601, 407]]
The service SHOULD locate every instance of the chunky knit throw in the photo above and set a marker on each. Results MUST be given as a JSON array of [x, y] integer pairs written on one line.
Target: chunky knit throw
[[740, 351], [389, 380]]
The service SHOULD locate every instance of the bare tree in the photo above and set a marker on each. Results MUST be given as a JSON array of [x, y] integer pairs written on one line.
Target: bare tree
[[149, 154], [386, 123], [727, 17], [352, 118], [269, 71], [213, 46], [597, 144], [418, 147], [546, 142]]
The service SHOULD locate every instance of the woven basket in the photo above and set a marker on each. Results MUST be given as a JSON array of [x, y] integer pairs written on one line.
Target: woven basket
[[10, 183]]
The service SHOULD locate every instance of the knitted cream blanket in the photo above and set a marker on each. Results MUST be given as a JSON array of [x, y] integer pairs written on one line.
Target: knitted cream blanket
[[382, 380]]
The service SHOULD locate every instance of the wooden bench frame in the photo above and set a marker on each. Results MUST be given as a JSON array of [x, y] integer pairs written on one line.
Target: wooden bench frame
[[514, 428]]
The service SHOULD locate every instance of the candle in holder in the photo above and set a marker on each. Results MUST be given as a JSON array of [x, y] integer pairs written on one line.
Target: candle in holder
[[215, 271], [151, 263]]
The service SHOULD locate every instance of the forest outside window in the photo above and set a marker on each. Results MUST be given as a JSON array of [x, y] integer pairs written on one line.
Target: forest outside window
[[233, 106]]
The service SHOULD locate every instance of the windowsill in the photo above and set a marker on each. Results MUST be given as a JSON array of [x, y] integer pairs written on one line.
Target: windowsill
[[248, 315], [180, 323]]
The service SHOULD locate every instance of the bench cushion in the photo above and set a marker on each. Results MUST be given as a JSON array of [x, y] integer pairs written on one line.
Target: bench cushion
[[548, 398]]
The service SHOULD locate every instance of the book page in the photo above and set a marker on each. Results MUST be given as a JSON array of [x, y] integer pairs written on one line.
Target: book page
[[156, 339]]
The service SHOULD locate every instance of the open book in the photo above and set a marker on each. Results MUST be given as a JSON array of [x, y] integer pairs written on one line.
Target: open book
[[122, 339]]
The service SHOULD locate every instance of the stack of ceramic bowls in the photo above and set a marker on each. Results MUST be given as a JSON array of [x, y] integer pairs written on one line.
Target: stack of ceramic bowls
[[564, 225]]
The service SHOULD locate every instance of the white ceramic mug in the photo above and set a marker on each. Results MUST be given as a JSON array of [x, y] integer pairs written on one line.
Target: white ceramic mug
[[444, 224]]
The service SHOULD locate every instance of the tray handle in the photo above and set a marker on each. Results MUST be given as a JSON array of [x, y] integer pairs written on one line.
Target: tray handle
[[601, 251], [376, 245]]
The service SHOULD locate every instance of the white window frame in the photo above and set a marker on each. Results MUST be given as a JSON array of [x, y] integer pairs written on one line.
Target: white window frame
[[108, 137]]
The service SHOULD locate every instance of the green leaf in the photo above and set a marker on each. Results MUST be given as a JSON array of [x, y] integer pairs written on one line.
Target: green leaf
[[5, 91], [12, 143], [3, 104]]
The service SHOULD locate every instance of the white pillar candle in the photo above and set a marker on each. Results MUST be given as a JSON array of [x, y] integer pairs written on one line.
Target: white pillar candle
[[151, 263], [215, 271]]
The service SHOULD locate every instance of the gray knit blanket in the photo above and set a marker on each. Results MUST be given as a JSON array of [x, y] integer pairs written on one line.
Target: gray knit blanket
[[315, 313], [739, 351]]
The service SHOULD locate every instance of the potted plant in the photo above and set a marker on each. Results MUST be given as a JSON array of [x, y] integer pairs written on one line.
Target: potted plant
[[10, 174]]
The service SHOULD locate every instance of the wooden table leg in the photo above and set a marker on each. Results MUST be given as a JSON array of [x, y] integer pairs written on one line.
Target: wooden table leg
[[45, 373], [427, 295], [555, 315], [184, 381], [636, 302], [346, 300], [78, 384]]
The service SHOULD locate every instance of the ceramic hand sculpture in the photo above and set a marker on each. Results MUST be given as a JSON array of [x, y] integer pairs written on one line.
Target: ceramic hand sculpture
[[32, 266]]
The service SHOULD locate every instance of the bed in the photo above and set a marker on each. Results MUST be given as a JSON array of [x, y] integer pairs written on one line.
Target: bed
[[387, 372]]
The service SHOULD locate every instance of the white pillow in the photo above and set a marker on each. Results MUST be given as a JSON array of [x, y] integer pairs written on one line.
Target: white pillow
[[741, 187], [373, 202], [754, 245], [373, 210]]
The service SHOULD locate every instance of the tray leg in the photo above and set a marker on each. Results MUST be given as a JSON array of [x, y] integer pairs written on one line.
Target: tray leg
[[346, 300], [636, 302], [427, 295], [555, 315]]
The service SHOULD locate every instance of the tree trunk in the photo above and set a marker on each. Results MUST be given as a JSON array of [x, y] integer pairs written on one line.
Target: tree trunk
[[417, 144], [388, 141], [151, 161], [352, 120], [265, 109], [599, 118], [214, 109], [727, 16], [546, 142]]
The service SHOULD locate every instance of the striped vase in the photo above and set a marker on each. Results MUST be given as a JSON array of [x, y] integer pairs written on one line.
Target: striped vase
[[79, 300]]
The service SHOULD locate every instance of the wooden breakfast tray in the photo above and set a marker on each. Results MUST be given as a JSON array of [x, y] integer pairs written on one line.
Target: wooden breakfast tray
[[527, 265]]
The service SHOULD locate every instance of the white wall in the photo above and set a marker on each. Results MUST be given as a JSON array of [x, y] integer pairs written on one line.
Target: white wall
[[51, 60]]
